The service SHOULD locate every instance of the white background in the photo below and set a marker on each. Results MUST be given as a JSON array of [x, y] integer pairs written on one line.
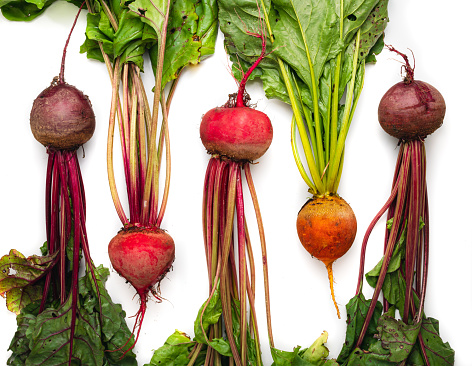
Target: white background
[[301, 304]]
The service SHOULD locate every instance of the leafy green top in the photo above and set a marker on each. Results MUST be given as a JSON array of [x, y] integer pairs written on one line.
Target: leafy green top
[[316, 63], [191, 33]]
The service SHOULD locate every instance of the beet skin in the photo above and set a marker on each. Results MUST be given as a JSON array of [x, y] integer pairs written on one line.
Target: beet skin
[[62, 117], [239, 133], [142, 256], [411, 111]]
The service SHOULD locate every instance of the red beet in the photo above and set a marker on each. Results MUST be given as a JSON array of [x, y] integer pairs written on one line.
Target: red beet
[[239, 133], [236, 130], [142, 256], [62, 117], [411, 109]]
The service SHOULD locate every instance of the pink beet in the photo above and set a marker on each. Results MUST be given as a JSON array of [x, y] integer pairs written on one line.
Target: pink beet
[[142, 256], [239, 133]]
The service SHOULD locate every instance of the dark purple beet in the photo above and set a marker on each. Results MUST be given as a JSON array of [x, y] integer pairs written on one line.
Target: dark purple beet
[[411, 110], [62, 117]]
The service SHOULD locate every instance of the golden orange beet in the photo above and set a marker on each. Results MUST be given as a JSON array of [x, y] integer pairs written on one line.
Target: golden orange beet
[[327, 226]]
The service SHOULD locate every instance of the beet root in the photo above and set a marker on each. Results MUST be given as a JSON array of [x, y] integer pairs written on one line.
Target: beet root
[[239, 133], [142, 256], [62, 117], [327, 227], [411, 110]]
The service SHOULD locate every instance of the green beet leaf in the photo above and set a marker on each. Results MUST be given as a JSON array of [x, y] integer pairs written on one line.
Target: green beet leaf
[[22, 10], [397, 337], [356, 313], [315, 355], [207, 28], [51, 337], [395, 261], [130, 30], [129, 41], [96, 37], [439, 353], [208, 314], [27, 10], [19, 278], [20, 343], [114, 331], [306, 36], [100, 331], [285, 358], [191, 36], [175, 351], [394, 343], [150, 12]]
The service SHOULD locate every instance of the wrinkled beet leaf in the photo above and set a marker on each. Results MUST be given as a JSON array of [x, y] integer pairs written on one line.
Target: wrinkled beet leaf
[[43, 339], [20, 278], [20, 343], [50, 336], [191, 34], [114, 331], [291, 22], [438, 352], [396, 342], [356, 313]]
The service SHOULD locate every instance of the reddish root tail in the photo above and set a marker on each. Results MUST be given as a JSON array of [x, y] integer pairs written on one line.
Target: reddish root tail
[[329, 268], [137, 325]]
